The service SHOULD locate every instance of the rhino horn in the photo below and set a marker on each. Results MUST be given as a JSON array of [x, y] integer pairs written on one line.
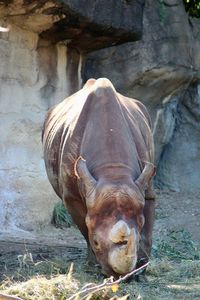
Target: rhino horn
[[119, 232], [146, 175], [123, 258], [82, 173]]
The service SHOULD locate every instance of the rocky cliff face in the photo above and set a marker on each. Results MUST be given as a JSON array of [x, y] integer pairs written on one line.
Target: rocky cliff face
[[163, 71], [32, 79], [49, 52], [40, 64]]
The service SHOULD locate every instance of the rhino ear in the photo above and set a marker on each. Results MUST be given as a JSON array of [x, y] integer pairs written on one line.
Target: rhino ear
[[146, 175], [82, 173]]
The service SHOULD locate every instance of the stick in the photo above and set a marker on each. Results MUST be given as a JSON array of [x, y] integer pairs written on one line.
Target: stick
[[4, 29], [106, 284], [9, 297]]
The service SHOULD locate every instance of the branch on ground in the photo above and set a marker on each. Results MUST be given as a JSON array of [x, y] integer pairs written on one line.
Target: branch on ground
[[9, 297], [108, 283]]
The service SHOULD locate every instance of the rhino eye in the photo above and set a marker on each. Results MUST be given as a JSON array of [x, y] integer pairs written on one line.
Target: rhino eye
[[96, 243]]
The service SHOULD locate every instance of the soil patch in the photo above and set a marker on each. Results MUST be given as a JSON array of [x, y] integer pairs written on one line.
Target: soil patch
[[178, 210]]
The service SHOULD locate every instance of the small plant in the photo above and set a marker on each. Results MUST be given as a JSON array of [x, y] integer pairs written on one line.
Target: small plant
[[192, 7], [61, 218]]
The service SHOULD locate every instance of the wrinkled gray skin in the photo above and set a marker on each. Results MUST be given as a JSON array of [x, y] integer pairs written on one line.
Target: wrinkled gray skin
[[98, 151]]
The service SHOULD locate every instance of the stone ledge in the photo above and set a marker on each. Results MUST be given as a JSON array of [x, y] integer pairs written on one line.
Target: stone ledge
[[85, 25]]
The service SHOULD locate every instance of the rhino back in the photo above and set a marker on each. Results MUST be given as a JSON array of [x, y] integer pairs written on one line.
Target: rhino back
[[102, 126], [117, 130]]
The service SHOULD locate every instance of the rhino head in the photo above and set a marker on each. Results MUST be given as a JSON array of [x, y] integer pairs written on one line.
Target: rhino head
[[114, 218]]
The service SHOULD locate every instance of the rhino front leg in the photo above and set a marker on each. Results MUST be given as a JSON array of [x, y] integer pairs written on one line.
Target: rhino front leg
[[91, 258], [146, 234]]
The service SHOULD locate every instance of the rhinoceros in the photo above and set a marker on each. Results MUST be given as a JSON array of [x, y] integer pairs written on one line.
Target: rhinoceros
[[99, 153]]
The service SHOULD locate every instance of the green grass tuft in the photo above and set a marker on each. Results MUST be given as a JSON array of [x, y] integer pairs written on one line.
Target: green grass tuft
[[61, 218]]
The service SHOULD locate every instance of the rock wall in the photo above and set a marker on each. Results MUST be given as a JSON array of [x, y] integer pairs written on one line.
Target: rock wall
[[179, 164], [40, 64], [34, 76], [163, 71]]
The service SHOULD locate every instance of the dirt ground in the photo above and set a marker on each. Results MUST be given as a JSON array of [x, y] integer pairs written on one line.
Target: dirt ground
[[177, 211], [177, 214]]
